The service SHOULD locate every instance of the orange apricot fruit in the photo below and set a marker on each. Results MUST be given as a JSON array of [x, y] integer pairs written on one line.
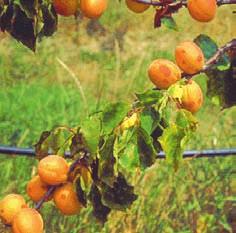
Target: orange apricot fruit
[[28, 221], [136, 6], [65, 199], [192, 98], [10, 205], [189, 57], [66, 7], [93, 8], [202, 10], [163, 73], [36, 188], [53, 170]]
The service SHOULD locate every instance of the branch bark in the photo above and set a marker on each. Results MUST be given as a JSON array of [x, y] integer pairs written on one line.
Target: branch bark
[[182, 2]]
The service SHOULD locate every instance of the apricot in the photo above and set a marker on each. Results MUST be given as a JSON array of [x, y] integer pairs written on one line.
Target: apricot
[[189, 57], [192, 98], [53, 170], [136, 6], [36, 189], [202, 10], [66, 7], [28, 221], [163, 73], [10, 205], [65, 199], [93, 8]]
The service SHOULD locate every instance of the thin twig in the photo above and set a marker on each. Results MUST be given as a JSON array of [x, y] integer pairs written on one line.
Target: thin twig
[[183, 3], [214, 59]]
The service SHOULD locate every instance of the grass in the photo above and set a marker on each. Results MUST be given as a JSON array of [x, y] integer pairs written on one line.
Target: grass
[[37, 93]]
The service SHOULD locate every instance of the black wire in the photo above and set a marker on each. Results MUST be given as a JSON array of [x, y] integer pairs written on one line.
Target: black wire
[[187, 154]]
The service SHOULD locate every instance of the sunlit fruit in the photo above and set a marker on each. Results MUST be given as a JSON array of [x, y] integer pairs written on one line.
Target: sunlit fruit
[[189, 57], [28, 221], [136, 6], [10, 205], [53, 169], [192, 98], [202, 10], [66, 7], [65, 199], [36, 189], [163, 73], [93, 8]]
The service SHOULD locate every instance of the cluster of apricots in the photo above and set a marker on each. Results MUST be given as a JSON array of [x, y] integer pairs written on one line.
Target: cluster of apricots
[[200, 10], [53, 171], [90, 8], [164, 73]]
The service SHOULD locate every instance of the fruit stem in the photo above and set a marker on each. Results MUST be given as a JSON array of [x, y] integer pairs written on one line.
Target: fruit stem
[[215, 58], [181, 2], [45, 197]]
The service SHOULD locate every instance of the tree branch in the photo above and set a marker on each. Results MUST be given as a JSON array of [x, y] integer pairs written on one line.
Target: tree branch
[[182, 2], [215, 58]]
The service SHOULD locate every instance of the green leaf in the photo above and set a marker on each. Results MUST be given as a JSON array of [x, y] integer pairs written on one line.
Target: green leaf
[[186, 120], [149, 119], [120, 196], [107, 161], [112, 115], [208, 46], [173, 141], [91, 130], [100, 211], [169, 22], [147, 152], [149, 97], [125, 150], [176, 91]]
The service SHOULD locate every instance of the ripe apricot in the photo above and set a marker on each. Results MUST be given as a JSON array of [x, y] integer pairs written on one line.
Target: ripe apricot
[[136, 6], [66, 7], [65, 199], [202, 10], [36, 189], [53, 170], [10, 205], [192, 97], [163, 73], [93, 8], [28, 221], [189, 57]]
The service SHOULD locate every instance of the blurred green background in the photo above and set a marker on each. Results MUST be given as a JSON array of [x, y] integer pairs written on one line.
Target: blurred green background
[[109, 60]]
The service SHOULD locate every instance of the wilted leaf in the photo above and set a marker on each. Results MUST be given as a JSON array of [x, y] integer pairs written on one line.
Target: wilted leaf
[[80, 192], [112, 115], [106, 169], [42, 146], [147, 152], [100, 211], [149, 97], [120, 196], [222, 84]]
